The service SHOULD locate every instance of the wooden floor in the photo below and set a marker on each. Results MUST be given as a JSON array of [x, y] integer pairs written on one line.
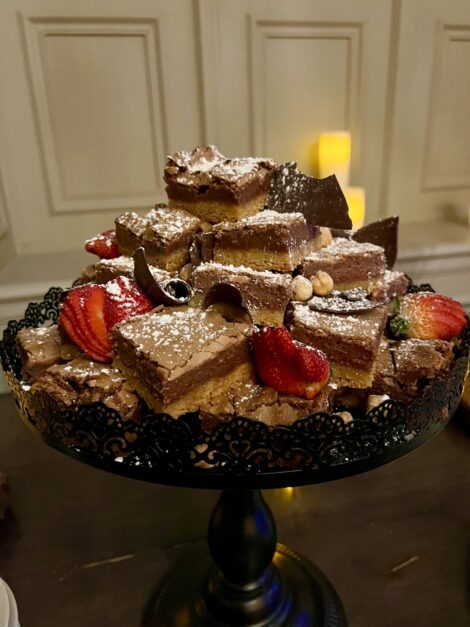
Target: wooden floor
[[82, 548]]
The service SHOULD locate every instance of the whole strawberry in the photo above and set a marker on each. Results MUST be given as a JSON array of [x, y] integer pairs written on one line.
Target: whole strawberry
[[104, 245], [288, 366], [428, 316]]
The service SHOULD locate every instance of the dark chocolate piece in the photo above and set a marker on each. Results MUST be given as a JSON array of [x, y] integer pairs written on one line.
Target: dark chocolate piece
[[170, 292], [321, 201], [226, 293], [383, 233], [347, 302]]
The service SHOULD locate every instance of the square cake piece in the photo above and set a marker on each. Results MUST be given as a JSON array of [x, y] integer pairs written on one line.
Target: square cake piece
[[168, 237], [177, 358], [267, 241], [39, 349], [349, 263], [166, 234], [82, 382], [351, 342], [215, 188], [266, 294]]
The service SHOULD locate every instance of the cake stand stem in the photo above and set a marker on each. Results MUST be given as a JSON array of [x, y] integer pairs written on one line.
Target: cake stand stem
[[251, 582]]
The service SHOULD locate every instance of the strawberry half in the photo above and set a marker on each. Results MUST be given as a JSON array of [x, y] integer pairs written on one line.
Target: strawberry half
[[428, 316], [124, 299], [288, 366], [104, 245]]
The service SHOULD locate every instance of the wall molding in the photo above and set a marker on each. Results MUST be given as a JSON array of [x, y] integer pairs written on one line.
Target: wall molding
[[446, 35], [36, 29], [260, 31]]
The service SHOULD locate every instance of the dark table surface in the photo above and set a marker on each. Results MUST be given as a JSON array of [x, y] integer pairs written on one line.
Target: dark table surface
[[83, 548]]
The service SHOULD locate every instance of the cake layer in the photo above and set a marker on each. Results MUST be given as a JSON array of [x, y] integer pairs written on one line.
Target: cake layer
[[177, 351], [349, 263], [82, 382], [267, 241], [216, 210], [266, 294], [350, 342], [209, 185]]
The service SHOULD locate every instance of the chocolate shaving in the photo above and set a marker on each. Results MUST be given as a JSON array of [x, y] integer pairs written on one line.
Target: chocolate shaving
[[350, 301], [382, 233], [168, 292], [226, 293], [321, 201]]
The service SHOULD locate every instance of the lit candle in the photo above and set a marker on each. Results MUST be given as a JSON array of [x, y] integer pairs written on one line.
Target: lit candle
[[334, 155], [356, 199]]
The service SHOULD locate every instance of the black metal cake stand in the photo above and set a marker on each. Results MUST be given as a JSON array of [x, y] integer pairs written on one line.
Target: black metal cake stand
[[246, 579]]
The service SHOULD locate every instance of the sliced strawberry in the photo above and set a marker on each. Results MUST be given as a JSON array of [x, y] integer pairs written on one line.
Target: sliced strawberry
[[289, 366], [124, 299], [78, 299], [428, 316], [82, 317], [104, 245]]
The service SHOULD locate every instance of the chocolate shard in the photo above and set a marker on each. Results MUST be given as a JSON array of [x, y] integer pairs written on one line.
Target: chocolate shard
[[321, 201], [169, 292], [226, 293], [382, 233], [347, 302]]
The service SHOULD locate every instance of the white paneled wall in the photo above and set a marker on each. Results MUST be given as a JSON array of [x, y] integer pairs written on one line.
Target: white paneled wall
[[96, 93]]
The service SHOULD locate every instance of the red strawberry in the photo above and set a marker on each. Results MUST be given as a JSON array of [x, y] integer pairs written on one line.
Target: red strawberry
[[82, 318], [89, 312], [104, 245], [289, 366], [124, 299], [428, 316]]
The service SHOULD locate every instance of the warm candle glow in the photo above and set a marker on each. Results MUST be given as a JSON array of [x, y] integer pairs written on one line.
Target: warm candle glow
[[334, 155], [356, 199], [288, 492]]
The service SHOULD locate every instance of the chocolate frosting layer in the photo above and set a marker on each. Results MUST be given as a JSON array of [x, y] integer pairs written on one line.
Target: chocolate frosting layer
[[321, 201], [206, 167], [267, 230]]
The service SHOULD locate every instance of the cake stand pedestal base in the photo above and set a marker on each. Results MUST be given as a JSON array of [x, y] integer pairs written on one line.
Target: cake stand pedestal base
[[253, 583]]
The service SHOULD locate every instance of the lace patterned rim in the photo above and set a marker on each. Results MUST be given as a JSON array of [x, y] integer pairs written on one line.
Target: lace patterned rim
[[242, 450]]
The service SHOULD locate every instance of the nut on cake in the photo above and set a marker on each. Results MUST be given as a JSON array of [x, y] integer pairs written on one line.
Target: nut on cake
[[349, 263]]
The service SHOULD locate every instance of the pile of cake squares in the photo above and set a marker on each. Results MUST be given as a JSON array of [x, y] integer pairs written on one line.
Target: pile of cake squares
[[302, 271]]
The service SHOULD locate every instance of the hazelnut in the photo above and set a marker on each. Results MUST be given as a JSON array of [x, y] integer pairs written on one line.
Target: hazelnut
[[326, 236], [346, 416], [301, 288], [374, 400], [186, 271], [322, 283]]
